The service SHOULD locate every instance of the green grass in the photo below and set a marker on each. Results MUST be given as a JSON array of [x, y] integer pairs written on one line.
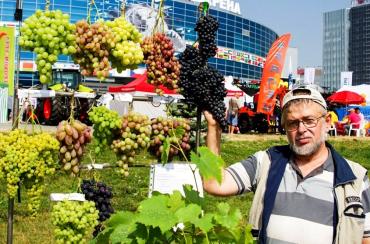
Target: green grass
[[130, 191]]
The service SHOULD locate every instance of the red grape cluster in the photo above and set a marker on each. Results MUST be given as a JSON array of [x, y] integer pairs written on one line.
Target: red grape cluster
[[162, 128], [93, 43], [163, 68], [72, 138]]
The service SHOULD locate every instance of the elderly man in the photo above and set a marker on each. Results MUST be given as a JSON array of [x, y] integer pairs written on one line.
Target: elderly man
[[305, 192]]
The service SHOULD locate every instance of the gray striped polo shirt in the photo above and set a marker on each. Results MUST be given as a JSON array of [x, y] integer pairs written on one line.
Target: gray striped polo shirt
[[303, 208]]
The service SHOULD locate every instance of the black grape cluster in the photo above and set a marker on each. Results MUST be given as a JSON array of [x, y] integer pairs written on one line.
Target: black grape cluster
[[207, 27], [101, 195], [200, 84]]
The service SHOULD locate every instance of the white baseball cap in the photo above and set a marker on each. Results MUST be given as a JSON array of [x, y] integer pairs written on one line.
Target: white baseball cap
[[304, 92]]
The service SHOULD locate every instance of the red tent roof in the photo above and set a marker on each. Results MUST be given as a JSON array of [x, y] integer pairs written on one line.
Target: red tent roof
[[139, 84]]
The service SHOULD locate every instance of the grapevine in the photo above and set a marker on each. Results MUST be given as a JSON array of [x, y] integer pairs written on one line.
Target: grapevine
[[48, 34], [74, 221], [28, 159], [72, 137]]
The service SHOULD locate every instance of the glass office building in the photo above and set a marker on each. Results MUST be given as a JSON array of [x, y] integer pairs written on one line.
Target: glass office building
[[335, 47], [243, 44], [359, 44]]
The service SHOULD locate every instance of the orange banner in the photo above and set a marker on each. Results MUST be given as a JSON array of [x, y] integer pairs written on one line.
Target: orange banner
[[271, 75]]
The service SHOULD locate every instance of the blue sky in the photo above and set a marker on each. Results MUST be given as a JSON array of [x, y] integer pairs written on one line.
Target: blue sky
[[301, 18]]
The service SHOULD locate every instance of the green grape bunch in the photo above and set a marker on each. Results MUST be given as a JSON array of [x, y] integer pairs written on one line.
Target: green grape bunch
[[73, 137], [74, 221], [106, 125], [125, 50], [93, 44], [135, 136], [48, 34], [27, 159]]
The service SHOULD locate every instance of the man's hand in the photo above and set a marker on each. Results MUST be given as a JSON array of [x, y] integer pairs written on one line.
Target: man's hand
[[210, 120], [213, 140]]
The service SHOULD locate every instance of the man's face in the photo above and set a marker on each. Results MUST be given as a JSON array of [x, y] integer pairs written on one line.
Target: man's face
[[306, 141]]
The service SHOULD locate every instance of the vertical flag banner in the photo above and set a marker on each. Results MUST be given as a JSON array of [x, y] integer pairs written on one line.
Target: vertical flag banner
[[7, 57], [271, 75], [309, 76], [345, 78]]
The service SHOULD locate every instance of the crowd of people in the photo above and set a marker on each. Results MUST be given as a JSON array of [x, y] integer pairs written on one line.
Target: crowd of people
[[354, 119]]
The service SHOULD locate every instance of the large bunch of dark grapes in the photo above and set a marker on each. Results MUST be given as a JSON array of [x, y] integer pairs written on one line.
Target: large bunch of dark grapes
[[101, 195], [199, 83], [207, 27]]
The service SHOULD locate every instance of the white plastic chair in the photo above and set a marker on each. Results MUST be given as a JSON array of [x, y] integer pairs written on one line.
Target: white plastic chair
[[360, 130], [334, 129]]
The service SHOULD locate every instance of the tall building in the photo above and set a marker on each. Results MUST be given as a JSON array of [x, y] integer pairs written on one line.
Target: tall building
[[359, 44], [243, 43], [335, 47]]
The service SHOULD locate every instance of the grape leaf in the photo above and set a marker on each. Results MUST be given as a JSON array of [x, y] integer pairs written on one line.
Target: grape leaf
[[176, 202], [204, 223], [209, 164], [103, 236], [120, 234], [230, 219], [192, 196], [166, 150], [120, 218], [188, 213], [154, 212], [178, 132]]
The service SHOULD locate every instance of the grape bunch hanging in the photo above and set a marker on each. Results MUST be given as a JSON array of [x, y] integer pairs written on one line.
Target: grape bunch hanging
[[163, 128], [135, 135], [101, 195], [73, 138], [93, 44], [105, 45], [106, 125], [125, 51], [48, 34], [163, 68], [74, 221], [199, 83], [27, 159]]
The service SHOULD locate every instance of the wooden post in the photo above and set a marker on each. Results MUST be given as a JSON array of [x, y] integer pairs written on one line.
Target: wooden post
[[198, 129], [9, 239]]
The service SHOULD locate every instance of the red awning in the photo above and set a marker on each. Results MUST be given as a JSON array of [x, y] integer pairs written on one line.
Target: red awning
[[140, 85]]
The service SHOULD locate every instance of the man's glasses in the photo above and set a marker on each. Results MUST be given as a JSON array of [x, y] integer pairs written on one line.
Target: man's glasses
[[308, 123]]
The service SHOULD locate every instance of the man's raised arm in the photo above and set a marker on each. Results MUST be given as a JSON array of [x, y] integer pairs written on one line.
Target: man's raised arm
[[228, 186]]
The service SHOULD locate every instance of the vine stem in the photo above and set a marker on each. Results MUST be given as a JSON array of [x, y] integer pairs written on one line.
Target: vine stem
[[123, 8], [47, 5]]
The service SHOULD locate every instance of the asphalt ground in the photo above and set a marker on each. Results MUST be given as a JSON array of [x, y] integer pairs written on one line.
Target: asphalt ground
[[45, 128]]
